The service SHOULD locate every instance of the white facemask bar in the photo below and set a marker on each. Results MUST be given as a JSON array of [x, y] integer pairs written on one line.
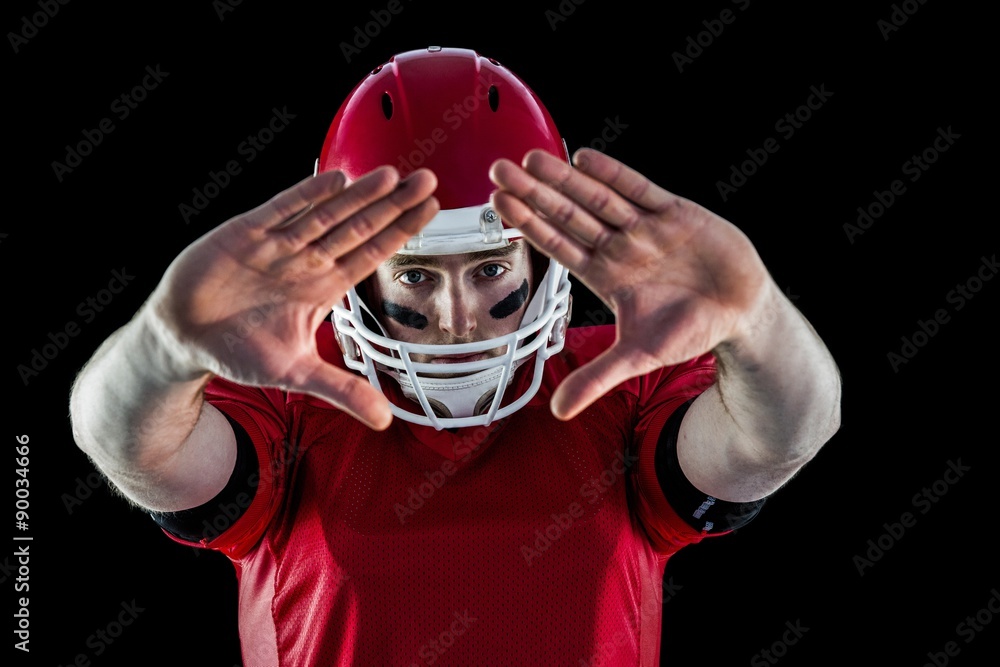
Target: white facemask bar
[[555, 286]]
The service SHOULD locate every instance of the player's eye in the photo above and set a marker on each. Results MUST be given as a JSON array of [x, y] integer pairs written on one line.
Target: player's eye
[[411, 277], [493, 270]]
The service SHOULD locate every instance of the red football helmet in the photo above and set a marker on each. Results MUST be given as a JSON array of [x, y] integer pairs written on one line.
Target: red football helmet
[[454, 112]]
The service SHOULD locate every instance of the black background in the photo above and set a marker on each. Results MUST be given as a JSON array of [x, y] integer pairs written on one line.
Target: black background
[[595, 64]]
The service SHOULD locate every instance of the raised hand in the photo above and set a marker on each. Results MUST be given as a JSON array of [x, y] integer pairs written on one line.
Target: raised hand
[[245, 300], [680, 279]]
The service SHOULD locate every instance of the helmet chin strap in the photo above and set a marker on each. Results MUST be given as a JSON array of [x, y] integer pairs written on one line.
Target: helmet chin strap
[[463, 396], [466, 395]]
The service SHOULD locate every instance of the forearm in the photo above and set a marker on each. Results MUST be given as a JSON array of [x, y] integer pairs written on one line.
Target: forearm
[[779, 384], [138, 398], [775, 403]]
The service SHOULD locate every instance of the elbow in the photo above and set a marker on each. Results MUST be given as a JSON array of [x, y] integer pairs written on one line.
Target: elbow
[[802, 437], [829, 426], [820, 428]]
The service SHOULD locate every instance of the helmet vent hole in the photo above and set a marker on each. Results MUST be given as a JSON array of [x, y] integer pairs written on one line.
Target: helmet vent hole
[[494, 98], [386, 106], [439, 409], [485, 402]]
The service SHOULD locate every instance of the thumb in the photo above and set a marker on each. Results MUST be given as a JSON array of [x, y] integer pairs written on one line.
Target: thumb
[[591, 381], [353, 394]]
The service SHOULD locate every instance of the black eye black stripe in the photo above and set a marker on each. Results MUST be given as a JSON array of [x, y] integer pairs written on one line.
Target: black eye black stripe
[[511, 303], [403, 315]]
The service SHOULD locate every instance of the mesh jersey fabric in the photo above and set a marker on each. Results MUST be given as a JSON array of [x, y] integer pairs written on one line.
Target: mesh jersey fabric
[[527, 542]]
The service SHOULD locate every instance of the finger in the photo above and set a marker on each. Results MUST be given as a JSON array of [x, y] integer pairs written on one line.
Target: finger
[[592, 195], [352, 394], [368, 222], [361, 262], [590, 382], [632, 185], [291, 202], [322, 216], [543, 193], [543, 235]]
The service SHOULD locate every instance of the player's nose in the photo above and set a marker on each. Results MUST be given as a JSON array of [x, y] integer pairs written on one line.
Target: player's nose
[[456, 312]]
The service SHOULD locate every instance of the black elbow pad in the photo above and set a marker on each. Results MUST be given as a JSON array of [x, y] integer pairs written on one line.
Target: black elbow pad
[[209, 520], [700, 510]]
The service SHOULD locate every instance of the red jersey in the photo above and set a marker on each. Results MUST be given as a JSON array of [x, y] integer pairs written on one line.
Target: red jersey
[[527, 542]]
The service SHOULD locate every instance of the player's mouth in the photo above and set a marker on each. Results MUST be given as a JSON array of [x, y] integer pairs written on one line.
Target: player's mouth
[[458, 358]]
